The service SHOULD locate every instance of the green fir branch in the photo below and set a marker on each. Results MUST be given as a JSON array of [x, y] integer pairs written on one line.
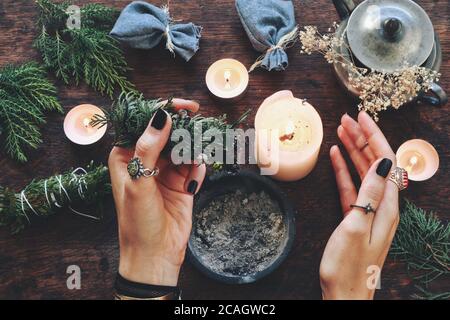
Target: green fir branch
[[422, 241], [87, 54], [73, 190], [25, 94]]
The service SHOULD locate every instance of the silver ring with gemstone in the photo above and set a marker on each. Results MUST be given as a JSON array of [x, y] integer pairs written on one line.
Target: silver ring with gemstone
[[136, 169], [367, 209], [399, 176]]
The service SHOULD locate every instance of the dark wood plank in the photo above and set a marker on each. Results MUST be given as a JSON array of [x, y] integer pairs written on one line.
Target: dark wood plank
[[33, 264]]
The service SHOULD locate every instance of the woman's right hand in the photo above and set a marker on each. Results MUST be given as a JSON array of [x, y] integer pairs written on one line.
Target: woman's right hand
[[356, 251], [154, 213]]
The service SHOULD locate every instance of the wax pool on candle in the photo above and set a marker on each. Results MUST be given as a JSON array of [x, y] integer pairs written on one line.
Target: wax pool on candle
[[227, 79], [77, 125], [419, 158], [294, 134]]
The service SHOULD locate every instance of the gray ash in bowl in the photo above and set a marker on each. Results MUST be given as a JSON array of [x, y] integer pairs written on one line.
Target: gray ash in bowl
[[239, 234]]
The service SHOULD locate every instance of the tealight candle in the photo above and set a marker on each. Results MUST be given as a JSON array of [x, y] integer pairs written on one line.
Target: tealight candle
[[289, 133], [227, 79], [77, 125], [419, 158]]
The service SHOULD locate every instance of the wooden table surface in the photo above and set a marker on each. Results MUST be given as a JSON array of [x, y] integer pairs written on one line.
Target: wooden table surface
[[33, 264]]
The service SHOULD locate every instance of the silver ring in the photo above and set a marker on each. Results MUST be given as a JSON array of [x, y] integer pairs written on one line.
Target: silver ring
[[399, 176], [367, 208], [136, 169]]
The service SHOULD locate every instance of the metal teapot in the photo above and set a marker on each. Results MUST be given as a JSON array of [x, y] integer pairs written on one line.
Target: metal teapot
[[383, 35]]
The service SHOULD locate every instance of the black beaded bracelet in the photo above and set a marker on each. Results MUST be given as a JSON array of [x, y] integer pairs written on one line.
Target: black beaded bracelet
[[129, 290]]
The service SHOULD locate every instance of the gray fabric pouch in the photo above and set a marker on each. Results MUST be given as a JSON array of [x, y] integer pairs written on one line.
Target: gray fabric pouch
[[271, 28], [143, 26]]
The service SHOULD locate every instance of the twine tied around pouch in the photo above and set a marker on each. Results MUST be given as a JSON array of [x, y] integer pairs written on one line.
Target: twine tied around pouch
[[169, 43], [287, 41]]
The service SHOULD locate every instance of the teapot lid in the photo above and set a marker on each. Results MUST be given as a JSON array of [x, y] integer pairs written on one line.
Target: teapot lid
[[385, 35]]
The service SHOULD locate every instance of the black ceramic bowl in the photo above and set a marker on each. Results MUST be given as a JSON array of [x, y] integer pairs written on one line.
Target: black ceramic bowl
[[247, 182]]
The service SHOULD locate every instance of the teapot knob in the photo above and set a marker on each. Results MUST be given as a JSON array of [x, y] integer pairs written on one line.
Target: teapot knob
[[392, 27]]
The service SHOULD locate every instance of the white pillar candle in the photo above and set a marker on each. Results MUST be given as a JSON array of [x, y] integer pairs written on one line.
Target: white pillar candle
[[227, 79], [77, 125], [419, 158], [296, 133]]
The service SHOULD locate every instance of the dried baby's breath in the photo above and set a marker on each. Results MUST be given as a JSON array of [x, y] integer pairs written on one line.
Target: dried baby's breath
[[377, 90]]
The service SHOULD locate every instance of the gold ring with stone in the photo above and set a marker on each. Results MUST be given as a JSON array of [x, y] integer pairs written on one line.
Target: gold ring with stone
[[399, 176]]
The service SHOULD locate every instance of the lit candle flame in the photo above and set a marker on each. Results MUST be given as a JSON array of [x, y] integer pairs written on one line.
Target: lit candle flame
[[290, 128], [412, 162], [227, 76], [86, 122]]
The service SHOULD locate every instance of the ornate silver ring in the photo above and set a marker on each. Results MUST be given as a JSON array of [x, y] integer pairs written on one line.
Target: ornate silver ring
[[136, 169]]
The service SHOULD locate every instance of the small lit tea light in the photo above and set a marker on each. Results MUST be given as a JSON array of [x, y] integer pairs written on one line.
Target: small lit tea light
[[227, 79], [77, 125], [289, 133], [419, 158]]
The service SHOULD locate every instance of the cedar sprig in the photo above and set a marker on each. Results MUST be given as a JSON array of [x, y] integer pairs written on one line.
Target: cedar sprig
[[130, 114], [74, 190], [25, 95], [87, 54], [422, 241]]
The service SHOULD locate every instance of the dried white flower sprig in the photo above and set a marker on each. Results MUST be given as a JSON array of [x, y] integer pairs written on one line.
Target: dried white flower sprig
[[377, 90]]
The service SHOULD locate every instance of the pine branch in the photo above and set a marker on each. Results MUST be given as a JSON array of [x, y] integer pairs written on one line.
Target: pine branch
[[46, 197], [25, 94], [131, 113], [423, 242], [88, 53]]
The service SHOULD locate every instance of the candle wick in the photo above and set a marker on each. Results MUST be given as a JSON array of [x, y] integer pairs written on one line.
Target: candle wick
[[227, 76], [287, 136], [87, 122], [289, 132]]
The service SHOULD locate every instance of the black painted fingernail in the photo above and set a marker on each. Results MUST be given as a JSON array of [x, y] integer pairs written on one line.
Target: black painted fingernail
[[159, 120], [384, 167], [192, 187]]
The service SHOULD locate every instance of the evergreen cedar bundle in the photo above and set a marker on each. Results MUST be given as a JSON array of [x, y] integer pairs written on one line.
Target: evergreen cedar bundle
[[73, 191], [130, 114]]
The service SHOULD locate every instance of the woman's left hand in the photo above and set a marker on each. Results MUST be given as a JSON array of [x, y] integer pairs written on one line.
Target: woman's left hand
[[355, 254]]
